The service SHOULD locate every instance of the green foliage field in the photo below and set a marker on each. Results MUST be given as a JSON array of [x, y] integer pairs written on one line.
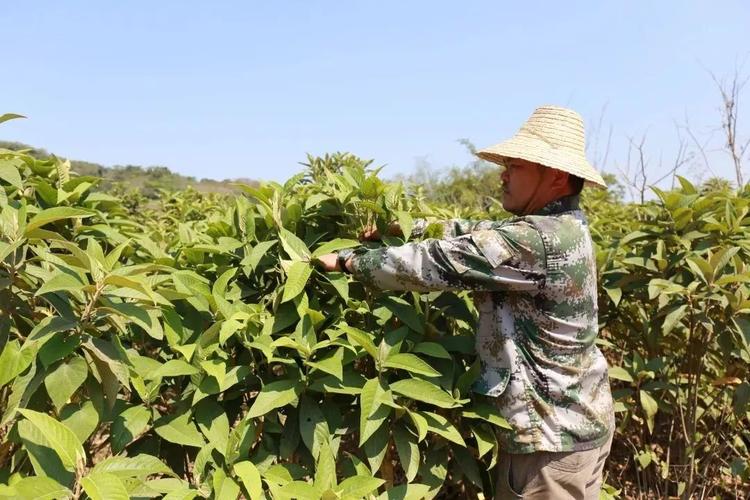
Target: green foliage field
[[192, 349]]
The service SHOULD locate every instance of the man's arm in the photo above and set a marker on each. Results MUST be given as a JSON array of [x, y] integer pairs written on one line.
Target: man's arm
[[452, 228], [508, 258], [449, 228]]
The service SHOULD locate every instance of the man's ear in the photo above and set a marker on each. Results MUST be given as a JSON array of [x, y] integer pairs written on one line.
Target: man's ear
[[560, 179]]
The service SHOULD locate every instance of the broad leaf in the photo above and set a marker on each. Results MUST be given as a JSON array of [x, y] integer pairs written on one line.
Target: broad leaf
[[104, 486], [296, 279], [37, 488], [61, 438], [179, 429], [293, 246], [64, 380], [274, 395], [421, 390], [412, 363], [408, 451], [250, 477], [333, 246], [55, 214], [128, 425]]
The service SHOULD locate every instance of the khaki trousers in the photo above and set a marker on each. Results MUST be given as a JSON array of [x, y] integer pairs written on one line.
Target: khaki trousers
[[550, 475]]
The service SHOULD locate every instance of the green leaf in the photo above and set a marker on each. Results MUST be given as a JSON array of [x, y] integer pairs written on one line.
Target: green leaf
[[408, 452], [376, 446], [615, 294], [140, 466], [412, 491], [219, 288], [258, 252], [62, 282], [340, 282], [104, 486], [405, 312], [299, 490], [293, 246], [466, 463], [440, 426], [128, 425], [370, 418], [55, 214], [487, 413], [296, 279], [485, 439], [406, 223], [214, 423], [14, 360], [61, 438], [10, 174], [274, 395], [63, 381], [650, 407], [37, 488], [673, 318], [313, 426], [412, 363], [619, 373], [333, 364], [700, 267], [183, 493], [432, 349], [50, 325], [225, 488], [82, 419], [361, 338], [358, 486], [720, 259], [9, 116], [424, 391], [333, 246], [250, 477], [420, 423], [173, 368], [180, 430], [43, 458], [325, 469]]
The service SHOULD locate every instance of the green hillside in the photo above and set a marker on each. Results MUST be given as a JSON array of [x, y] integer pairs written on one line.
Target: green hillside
[[149, 180]]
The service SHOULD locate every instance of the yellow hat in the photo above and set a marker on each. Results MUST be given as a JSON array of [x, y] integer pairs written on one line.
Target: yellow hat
[[553, 137]]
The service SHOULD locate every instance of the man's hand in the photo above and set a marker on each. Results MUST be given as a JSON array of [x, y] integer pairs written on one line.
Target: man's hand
[[330, 262], [371, 233]]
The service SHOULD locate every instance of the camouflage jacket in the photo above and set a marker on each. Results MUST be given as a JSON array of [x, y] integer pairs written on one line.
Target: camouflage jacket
[[534, 283]]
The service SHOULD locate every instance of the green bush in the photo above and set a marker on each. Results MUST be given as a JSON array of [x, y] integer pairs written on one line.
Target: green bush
[[189, 347], [194, 349]]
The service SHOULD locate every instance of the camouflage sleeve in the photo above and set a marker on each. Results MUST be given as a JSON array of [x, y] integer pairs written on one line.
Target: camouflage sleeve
[[510, 257], [450, 228]]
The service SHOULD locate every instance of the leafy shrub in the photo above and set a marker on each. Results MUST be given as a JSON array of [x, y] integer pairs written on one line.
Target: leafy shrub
[[187, 346], [194, 349], [674, 308]]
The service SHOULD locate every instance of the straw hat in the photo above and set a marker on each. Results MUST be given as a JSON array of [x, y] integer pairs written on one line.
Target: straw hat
[[553, 137]]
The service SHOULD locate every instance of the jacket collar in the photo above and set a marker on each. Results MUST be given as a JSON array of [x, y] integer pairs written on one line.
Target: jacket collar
[[560, 205]]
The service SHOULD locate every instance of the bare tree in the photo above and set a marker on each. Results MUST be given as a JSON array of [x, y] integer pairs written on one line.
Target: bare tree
[[598, 156], [635, 174], [699, 146], [730, 97]]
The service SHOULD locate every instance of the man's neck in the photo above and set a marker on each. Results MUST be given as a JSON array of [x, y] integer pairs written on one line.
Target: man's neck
[[563, 204]]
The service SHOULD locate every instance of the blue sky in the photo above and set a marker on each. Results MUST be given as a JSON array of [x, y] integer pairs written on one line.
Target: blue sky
[[245, 89]]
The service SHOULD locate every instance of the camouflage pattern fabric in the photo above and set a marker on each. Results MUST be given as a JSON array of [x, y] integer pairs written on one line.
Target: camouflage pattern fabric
[[534, 283]]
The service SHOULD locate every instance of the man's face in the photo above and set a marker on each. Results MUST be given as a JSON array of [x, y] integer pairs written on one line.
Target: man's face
[[521, 185]]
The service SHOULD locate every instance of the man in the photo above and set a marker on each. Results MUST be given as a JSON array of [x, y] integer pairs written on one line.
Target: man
[[535, 281]]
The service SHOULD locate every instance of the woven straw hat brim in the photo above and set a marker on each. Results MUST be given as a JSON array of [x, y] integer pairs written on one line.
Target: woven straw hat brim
[[552, 137]]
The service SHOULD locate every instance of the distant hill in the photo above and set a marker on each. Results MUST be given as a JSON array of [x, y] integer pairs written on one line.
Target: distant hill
[[147, 179]]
